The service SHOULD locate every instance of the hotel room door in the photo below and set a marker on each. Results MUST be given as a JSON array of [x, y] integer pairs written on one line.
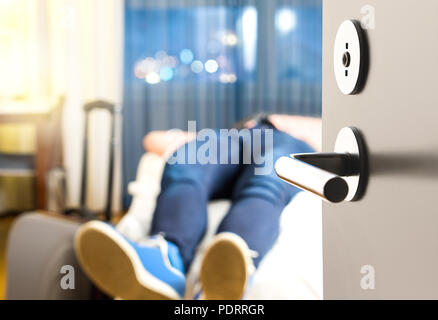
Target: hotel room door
[[385, 246]]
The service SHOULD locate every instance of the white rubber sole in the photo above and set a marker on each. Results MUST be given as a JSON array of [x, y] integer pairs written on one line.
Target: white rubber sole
[[114, 266], [224, 269]]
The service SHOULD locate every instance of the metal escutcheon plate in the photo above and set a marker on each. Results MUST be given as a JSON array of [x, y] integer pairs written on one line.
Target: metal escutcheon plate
[[349, 140]]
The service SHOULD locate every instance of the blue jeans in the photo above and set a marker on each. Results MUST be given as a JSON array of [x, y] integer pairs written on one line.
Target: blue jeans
[[257, 200]]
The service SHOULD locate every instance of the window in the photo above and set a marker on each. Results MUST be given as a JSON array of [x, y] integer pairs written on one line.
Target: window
[[268, 51], [298, 41], [200, 43], [13, 48], [23, 63]]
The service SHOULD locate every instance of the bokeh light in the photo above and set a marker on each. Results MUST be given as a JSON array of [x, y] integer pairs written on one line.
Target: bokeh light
[[145, 66], [166, 74], [151, 64], [230, 39], [249, 38], [197, 66], [170, 61], [186, 56], [222, 61], [140, 69], [285, 20], [211, 66], [152, 78], [227, 78]]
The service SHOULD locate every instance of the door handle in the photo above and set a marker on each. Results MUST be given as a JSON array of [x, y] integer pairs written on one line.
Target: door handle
[[335, 177]]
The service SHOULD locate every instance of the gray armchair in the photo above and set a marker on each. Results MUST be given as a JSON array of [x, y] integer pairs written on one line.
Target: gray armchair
[[39, 245]]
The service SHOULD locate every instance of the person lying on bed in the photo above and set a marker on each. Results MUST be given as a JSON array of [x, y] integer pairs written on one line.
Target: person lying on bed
[[156, 267]]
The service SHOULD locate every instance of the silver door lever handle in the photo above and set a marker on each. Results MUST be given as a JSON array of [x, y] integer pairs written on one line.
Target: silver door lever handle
[[335, 177]]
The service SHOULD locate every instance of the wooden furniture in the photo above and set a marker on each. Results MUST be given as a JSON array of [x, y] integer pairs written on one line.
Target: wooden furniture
[[48, 153]]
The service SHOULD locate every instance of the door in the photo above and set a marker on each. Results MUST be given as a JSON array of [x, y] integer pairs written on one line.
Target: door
[[386, 244]]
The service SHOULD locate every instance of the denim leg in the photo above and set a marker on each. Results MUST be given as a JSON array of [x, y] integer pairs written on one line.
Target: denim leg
[[258, 200], [181, 210]]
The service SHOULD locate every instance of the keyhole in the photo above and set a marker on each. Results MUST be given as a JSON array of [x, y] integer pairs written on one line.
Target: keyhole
[[346, 59]]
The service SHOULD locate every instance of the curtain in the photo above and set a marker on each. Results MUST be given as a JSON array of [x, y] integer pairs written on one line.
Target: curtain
[[85, 45], [216, 62]]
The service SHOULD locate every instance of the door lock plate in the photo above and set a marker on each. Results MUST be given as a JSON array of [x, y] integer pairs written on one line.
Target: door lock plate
[[350, 57]]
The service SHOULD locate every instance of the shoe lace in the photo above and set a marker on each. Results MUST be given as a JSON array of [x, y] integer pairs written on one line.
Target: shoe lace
[[159, 241], [155, 241], [252, 255]]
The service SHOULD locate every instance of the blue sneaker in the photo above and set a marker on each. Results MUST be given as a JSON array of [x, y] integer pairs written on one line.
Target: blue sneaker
[[226, 269], [150, 270]]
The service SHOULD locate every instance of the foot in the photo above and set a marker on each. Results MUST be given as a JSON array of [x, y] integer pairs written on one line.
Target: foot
[[226, 268], [152, 270]]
